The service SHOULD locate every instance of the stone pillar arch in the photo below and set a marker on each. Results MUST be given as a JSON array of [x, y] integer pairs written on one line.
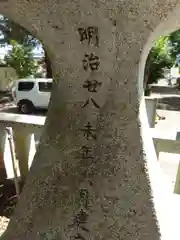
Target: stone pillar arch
[[114, 185], [164, 27]]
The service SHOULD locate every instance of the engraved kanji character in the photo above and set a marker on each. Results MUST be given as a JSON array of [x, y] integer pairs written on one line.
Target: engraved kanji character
[[93, 101], [86, 152], [91, 61], [89, 132], [84, 195], [93, 34], [90, 34], [79, 237], [83, 34], [81, 219], [92, 85]]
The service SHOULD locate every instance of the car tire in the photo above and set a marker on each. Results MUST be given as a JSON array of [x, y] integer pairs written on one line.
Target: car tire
[[26, 107]]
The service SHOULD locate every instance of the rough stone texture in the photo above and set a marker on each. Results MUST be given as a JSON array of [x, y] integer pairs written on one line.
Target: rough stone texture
[[120, 201]]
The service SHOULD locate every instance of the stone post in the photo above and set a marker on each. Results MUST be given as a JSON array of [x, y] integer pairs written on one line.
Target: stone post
[[151, 110], [177, 182], [4, 174], [7, 154], [25, 150], [89, 178]]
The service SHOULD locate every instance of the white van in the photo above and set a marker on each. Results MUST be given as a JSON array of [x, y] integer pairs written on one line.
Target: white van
[[30, 94]]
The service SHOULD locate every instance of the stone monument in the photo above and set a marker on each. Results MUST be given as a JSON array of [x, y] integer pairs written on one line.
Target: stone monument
[[89, 178]]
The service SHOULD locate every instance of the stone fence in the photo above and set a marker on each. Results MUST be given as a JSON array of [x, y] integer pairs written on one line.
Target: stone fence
[[168, 141], [24, 131], [19, 136], [151, 104]]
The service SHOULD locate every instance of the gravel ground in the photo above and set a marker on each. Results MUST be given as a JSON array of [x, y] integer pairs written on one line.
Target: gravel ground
[[8, 201]]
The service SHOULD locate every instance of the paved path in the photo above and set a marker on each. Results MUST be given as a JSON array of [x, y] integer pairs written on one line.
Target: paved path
[[171, 121], [168, 204], [169, 104]]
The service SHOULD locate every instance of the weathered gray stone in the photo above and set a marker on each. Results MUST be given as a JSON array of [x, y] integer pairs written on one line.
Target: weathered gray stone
[[120, 200]]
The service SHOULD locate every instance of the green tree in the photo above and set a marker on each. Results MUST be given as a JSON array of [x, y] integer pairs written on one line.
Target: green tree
[[12, 31], [159, 58], [162, 55], [174, 44], [21, 59]]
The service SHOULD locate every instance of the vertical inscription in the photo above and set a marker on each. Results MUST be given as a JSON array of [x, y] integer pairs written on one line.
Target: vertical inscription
[[81, 217], [90, 64]]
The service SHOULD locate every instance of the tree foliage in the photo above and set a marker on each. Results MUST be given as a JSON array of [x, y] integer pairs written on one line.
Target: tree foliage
[[163, 55], [174, 44], [158, 59], [21, 59], [12, 31]]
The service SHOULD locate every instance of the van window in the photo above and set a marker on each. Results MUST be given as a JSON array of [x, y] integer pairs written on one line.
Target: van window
[[45, 86], [25, 86]]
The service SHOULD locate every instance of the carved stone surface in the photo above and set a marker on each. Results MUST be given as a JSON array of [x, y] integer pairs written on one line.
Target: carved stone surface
[[119, 203]]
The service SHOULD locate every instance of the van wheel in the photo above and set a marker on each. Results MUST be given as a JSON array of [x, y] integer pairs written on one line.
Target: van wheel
[[26, 107]]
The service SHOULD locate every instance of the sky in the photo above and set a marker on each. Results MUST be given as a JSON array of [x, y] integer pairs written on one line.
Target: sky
[[38, 51]]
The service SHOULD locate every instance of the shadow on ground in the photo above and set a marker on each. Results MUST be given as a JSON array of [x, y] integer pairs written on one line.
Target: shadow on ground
[[8, 197], [168, 90], [7, 105], [13, 109], [169, 103]]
